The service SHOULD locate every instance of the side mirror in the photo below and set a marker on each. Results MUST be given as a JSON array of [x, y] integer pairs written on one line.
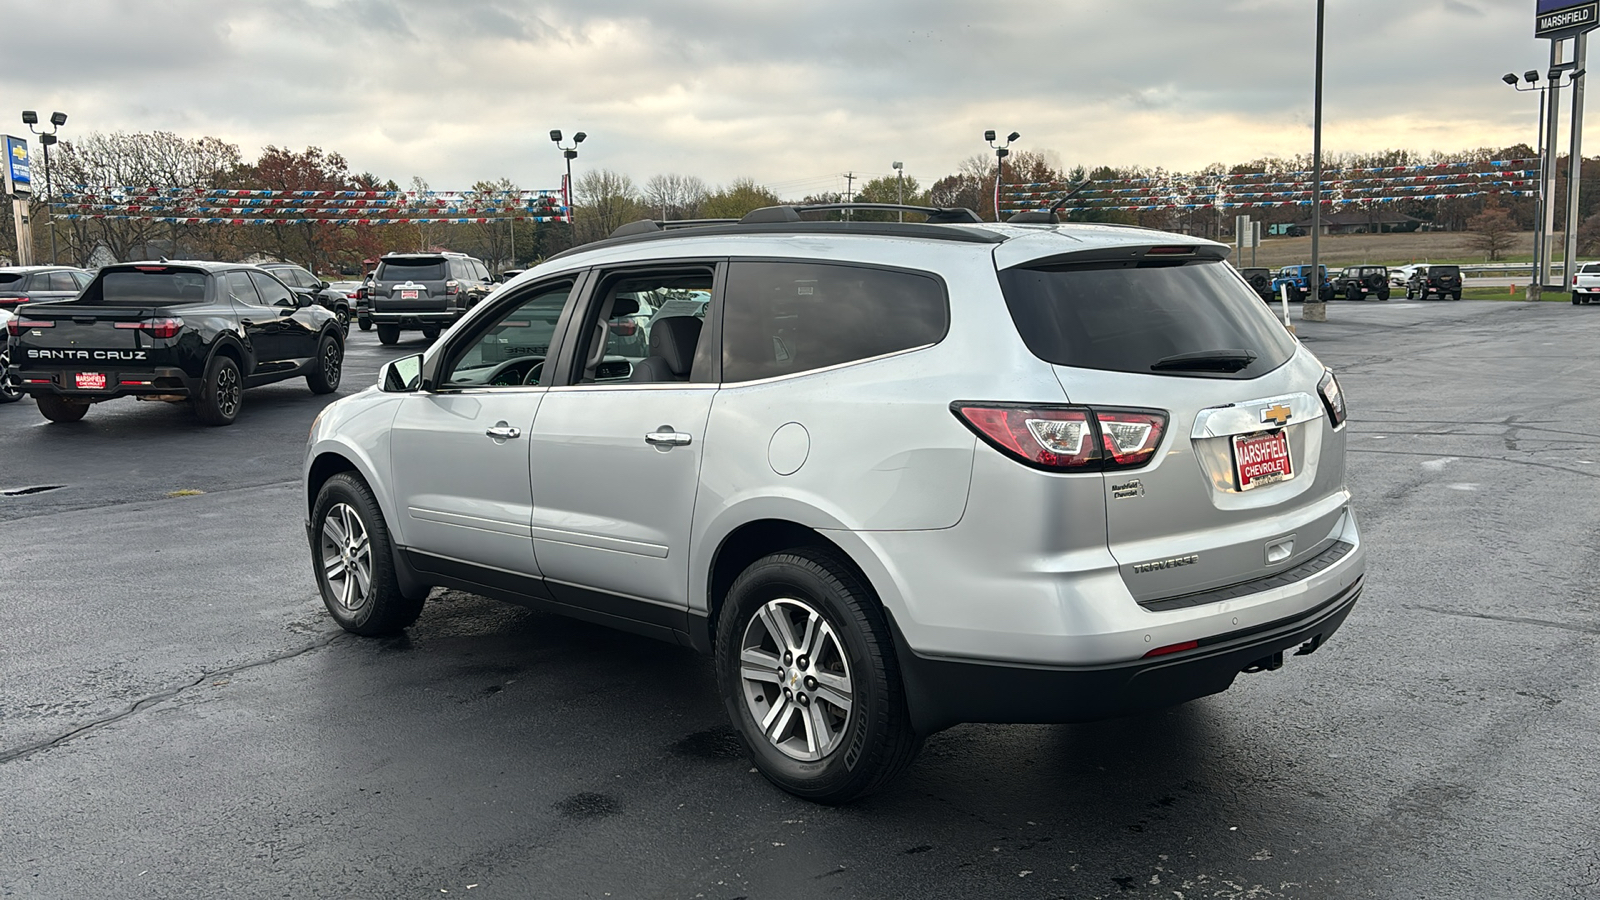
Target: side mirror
[[401, 375], [304, 300]]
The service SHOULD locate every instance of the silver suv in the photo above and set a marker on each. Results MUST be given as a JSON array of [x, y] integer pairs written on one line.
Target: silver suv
[[893, 476]]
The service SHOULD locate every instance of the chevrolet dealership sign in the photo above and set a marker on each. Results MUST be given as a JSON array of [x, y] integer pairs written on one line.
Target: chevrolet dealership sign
[[1565, 18]]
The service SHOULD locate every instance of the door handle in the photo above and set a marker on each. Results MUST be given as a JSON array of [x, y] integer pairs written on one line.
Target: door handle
[[666, 437], [503, 432]]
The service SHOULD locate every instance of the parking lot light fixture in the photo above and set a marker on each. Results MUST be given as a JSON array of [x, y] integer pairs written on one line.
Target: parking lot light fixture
[[569, 154], [30, 118], [1001, 151]]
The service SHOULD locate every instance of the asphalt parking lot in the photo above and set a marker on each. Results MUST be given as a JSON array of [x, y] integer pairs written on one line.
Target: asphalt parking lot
[[180, 718]]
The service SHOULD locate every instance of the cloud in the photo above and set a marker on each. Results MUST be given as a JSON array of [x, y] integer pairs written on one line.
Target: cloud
[[786, 93]]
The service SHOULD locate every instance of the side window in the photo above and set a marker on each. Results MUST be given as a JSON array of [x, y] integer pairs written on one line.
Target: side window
[[483, 272], [511, 348], [646, 327], [458, 271], [63, 281], [781, 318], [272, 291], [82, 278], [240, 288]]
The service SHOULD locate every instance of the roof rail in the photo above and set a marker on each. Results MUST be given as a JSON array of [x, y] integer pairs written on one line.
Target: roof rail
[[651, 226], [936, 215]]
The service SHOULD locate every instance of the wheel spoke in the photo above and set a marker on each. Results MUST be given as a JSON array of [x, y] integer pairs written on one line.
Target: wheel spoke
[[814, 626], [778, 625], [818, 738], [759, 665], [834, 689], [363, 577], [347, 593], [333, 568], [333, 530], [772, 724]]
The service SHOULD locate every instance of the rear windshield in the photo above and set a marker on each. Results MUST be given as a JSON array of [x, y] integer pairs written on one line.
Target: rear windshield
[[135, 288], [1444, 270], [411, 270], [1127, 317], [1588, 269]]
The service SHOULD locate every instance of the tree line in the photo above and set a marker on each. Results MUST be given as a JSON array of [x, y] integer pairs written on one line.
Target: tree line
[[605, 199]]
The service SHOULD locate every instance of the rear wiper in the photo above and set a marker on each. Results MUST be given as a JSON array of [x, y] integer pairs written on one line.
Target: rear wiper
[[1206, 361]]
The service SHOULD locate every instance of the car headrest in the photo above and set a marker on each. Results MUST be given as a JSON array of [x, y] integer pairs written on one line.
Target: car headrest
[[674, 339], [623, 306]]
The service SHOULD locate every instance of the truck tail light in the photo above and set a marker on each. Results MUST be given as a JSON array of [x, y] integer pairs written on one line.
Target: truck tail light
[[15, 327], [161, 328], [452, 287], [1067, 438]]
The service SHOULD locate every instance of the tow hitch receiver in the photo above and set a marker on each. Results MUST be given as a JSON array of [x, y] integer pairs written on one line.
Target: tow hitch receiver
[[1266, 663]]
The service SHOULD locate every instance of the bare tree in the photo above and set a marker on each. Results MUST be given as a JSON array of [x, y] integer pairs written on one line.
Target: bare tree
[[675, 196], [1493, 231], [605, 200]]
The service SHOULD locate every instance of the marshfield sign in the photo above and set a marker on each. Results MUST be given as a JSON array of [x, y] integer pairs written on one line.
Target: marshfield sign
[[1565, 18]]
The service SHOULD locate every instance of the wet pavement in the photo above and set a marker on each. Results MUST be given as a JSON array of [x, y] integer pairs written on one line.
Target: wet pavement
[[179, 716]]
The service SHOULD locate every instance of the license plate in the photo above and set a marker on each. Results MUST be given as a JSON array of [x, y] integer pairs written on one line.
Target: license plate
[[408, 295], [1260, 459], [90, 381]]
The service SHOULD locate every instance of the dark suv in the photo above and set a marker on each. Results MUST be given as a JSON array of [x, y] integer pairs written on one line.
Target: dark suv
[[1361, 282], [426, 291], [305, 284], [31, 284], [1443, 282]]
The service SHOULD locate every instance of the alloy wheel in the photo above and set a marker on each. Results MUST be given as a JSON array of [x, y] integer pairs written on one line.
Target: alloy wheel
[[796, 679], [346, 556], [228, 391], [332, 359]]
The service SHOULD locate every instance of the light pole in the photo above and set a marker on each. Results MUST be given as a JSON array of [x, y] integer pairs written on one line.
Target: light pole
[[571, 153], [1316, 311], [57, 119], [1001, 151], [900, 189], [1541, 235]]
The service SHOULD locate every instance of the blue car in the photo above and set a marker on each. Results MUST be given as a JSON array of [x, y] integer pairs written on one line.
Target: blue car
[[1298, 278]]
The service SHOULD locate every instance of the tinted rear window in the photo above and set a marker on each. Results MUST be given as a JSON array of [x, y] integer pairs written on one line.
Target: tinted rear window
[[146, 288], [1444, 271], [1125, 317], [781, 318], [9, 277], [1588, 269], [412, 270]]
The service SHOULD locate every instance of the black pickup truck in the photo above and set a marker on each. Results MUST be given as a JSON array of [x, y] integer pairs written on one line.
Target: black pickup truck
[[190, 332]]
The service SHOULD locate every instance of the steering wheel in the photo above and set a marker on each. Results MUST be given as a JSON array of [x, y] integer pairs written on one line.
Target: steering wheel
[[511, 365], [532, 378]]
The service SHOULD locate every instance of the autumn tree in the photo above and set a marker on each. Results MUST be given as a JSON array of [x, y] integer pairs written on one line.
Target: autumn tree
[[311, 243], [1492, 231]]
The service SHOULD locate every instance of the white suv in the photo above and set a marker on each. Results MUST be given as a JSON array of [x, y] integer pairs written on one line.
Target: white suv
[[894, 476]]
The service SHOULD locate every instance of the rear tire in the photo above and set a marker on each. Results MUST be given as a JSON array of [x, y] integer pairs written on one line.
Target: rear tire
[[353, 562], [1577, 300], [430, 333], [57, 409], [343, 315], [366, 324], [837, 727], [10, 391], [221, 392], [388, 334], [1352, 294], [1383, 294], [324, 379]]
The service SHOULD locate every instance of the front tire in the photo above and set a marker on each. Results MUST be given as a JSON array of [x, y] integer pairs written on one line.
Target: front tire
[[1577, 300], [324, 379], [221, 392], [354, 562], [57, 409], [807, 671], [388, 334]]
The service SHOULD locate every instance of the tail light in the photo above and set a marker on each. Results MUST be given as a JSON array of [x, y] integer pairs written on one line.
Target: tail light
[[1332, 398], [15, 327], [1067, 438], [452, 287], [161, 328], [624, 328], [13, 301]]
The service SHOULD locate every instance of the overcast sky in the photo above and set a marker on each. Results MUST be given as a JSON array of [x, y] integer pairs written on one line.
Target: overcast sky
[[792, 94]]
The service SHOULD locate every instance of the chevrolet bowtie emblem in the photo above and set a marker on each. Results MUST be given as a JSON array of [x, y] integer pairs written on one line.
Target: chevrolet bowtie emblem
[[1278, 415]]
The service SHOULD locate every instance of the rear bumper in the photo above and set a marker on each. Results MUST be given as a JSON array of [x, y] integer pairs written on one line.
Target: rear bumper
[[164, 380], [441, 317], [943, 692]]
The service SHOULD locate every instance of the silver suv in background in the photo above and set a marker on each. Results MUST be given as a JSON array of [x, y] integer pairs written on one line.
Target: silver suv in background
[[893, 476], [423, 291]]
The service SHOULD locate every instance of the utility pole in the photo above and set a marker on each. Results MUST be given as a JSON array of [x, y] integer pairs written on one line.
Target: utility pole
[[849, 191], [900, 189], [1314, 309]]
